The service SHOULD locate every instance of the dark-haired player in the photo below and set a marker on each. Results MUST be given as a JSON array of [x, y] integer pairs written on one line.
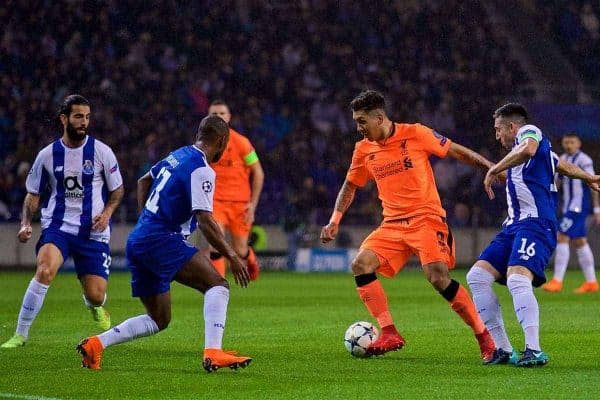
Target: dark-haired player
[[396, 156], [239, 182], [74, 174], [577, 199], [176, 192], [519, 253]]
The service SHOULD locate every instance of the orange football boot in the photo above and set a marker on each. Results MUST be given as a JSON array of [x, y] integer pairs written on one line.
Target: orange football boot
[[486, 345], [91, 350], [386, 342], [217, 358], [587, 287], [553, 286]]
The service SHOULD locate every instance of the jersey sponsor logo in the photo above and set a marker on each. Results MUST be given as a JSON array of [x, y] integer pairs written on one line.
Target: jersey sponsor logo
[[114, 169], [392, 168], [58, 168], [88, 167], [207, 186], [74, 190]]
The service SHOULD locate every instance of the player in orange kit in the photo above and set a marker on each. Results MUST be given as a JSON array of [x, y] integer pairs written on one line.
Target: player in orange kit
[[396, 156], [238, 185]]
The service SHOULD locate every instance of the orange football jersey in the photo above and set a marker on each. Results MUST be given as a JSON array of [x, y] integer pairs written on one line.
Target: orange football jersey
[[232, 182], [401, 169]]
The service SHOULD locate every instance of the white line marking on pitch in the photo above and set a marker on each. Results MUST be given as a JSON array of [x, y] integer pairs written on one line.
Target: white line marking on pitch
[[25, 397]]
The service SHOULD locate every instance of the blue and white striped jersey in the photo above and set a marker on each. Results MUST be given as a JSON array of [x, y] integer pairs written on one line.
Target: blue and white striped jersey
[[576, 194], [74, 184], [183, 183], [530, 188]]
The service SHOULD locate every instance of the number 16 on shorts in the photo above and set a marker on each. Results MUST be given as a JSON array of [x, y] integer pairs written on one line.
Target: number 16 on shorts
[[527, 249]]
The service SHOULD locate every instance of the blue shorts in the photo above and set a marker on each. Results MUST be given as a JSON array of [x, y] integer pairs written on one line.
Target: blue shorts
[[91, 257], [572, 224], [528, 243], [154, 260]]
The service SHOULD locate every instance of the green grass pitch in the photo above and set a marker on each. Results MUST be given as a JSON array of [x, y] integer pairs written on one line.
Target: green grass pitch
[[293, 326]]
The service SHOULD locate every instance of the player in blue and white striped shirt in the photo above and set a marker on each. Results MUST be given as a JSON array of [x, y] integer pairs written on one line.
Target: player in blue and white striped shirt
[[577, 199], [76, 180], [176, 190], [519, 253]]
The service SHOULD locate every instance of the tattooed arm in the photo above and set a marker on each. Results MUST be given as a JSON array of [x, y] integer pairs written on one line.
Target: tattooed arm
[[342, 203], [468, 156], [30, 206]]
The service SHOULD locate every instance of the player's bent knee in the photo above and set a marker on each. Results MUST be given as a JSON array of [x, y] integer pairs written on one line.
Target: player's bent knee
[[360, 267], [45, 273], [95, 296], [364, 263]]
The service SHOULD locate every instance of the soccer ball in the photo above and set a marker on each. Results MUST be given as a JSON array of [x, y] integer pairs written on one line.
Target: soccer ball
[[359, 336]]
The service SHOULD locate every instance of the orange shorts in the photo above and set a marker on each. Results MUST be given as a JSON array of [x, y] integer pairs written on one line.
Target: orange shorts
[[426, 236], [232, 215]]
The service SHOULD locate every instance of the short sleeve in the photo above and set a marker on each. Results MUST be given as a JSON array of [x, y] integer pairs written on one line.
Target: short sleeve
[[358, 173], [155, 170], [247, 152], [202, 189], [37, 180], [529, 131], [431, 141], [112, 173]]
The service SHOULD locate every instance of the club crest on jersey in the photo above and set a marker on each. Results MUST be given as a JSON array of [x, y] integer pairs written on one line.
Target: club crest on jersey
[[207, 186], [88, 167]]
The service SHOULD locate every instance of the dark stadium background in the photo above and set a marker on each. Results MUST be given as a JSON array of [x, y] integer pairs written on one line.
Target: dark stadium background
[[289, 70]]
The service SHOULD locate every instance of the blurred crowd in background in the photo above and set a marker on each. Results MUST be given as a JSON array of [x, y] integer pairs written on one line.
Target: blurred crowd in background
[[575, 25], [288, 70]]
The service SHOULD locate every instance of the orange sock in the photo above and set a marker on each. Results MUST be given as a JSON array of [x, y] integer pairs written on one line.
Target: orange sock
[[463, 305], [219, 263], [374, 298]]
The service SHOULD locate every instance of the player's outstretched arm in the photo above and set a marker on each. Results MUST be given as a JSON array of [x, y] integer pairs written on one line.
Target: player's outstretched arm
[[573, 171], [342, 203], [100, 221], [213, 234], [468, 156], [143, 188], [517, 156], [30, 206]]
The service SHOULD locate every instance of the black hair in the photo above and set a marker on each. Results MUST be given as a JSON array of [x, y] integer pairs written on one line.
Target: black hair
[[512, 110], [211, 128], [219, 102], [571, 135], [368, 100], [70, 101]]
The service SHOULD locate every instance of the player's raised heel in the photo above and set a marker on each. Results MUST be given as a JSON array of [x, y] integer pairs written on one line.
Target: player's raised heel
[[587, 287], [101, 316], [532, 358], [385, 343], [501, 356], [553, 286], [91, 352], [14, 342], [486, 345], [215, 359]]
